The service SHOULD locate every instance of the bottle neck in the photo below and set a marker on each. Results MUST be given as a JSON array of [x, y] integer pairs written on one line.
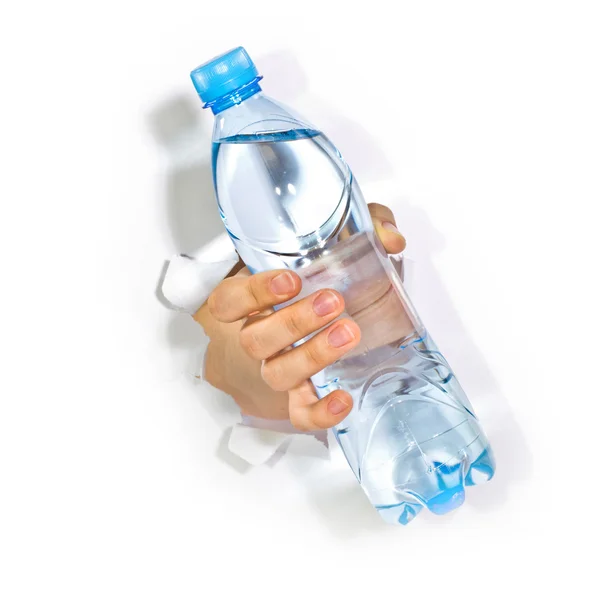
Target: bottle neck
[[234, 98]]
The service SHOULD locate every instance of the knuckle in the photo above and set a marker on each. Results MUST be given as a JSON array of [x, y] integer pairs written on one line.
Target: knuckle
[[294, 323], [319, 422], [215, 304], [255, 291], [298, 423], [317, 355], [273, 375], [251, 343]]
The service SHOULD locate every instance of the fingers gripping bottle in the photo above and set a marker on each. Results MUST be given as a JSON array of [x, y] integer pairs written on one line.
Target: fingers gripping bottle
[[288, 200]]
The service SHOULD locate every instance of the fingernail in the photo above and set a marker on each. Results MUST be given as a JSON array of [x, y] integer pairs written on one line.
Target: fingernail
[[336, 406], [340, 336], [282, 284], [390, 227], [325, 303]]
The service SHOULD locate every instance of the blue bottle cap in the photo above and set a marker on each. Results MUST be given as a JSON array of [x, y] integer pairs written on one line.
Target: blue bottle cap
[[224, 74]]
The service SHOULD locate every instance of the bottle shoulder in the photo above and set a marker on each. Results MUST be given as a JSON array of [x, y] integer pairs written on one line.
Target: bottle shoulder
[[258, 115]]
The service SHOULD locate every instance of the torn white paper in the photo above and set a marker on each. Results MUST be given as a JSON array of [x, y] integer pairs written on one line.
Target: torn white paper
[[190, 278]]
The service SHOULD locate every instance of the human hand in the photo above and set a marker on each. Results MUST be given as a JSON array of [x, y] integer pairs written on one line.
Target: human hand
[[248, 355]]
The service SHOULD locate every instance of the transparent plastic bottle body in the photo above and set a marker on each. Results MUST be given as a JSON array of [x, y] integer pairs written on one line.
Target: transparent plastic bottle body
[[289, 200]]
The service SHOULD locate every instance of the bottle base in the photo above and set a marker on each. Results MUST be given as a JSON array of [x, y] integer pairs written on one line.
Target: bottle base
[[451, 492]]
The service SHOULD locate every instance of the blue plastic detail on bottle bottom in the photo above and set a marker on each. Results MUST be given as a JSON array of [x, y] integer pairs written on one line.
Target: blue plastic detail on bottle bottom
[[483, 465], [402, 513], [447, 500]]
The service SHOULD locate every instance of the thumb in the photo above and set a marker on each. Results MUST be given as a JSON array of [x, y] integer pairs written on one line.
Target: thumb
[[386, 228]]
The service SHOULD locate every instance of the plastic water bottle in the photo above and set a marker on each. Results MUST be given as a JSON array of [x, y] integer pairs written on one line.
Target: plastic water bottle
[[289, 200]]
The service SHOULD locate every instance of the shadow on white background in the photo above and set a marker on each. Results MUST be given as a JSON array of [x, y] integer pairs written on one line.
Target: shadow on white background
[[183, 130]]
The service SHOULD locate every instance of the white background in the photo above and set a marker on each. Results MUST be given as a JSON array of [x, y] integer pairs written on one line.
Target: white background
[[475, 121]]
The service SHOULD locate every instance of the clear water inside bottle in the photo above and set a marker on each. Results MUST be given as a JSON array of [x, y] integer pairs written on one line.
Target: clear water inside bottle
[[412, 439]]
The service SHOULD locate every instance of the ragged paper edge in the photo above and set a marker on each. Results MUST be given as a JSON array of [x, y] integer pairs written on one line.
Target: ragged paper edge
[[190, 278], [257, 440]]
